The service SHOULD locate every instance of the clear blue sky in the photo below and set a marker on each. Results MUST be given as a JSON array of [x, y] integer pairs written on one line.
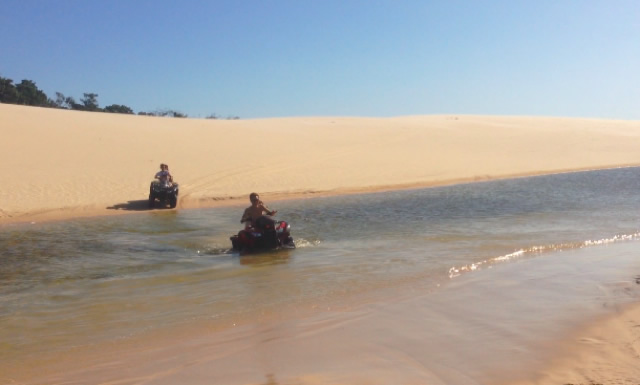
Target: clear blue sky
[[268, 58]]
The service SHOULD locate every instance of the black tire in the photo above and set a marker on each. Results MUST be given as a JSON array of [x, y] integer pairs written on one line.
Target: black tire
[[152, 201], [173, 201]]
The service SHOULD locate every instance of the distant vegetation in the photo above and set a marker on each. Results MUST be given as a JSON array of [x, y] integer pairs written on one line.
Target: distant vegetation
[[27, 93]]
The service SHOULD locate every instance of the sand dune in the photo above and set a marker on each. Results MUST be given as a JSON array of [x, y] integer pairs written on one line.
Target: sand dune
[[60, 164]]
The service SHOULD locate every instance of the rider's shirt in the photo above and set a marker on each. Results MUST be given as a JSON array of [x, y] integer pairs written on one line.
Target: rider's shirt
[[252, 213], [163, 175]]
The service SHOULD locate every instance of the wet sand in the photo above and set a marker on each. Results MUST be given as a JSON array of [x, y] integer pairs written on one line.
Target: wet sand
[[606, 351]]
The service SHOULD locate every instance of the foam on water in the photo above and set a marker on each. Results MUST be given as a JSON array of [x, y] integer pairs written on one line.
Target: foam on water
[[535, 250]]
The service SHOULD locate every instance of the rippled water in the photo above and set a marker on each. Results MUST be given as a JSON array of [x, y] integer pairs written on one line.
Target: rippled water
[[80, 282]]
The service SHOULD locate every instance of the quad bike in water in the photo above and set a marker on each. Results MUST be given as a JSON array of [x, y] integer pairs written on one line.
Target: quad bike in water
[[164, 193], [266, 235]]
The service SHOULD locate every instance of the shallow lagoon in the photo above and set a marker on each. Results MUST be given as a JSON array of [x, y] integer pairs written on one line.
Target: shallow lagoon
[[74, 284]]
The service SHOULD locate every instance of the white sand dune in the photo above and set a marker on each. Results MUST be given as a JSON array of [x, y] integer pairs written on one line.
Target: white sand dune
[[59, 164]]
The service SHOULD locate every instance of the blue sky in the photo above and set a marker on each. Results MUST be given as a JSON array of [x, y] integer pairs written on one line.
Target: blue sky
[[378, 58]]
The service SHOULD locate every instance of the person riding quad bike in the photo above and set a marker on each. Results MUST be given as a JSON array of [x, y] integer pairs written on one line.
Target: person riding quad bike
[[261, 232], [163, 189]]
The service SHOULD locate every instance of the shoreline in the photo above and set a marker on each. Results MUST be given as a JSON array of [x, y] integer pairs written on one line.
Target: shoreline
[[69, 213], [62, 164], [604, 350]]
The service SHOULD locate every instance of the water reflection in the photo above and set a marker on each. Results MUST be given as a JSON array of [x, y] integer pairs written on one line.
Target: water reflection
[[266, 258]]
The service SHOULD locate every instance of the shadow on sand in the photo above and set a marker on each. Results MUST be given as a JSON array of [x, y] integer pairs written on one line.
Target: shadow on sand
[[139, 205]]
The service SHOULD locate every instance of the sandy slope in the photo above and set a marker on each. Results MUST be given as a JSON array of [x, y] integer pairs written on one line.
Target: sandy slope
[[59, 164]]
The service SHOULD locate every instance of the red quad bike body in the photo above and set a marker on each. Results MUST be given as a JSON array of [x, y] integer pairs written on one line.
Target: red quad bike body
[[273, 236]]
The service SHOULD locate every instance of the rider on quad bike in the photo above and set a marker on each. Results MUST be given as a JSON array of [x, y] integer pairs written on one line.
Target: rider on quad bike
[[163, 188], [261, 232], [253, 215]]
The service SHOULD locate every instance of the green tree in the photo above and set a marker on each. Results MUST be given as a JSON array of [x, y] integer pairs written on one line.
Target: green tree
[[71, 104], [27, 93], [119, 109], [90, 102], [61, 101], [30, 95], [177, 114], [169, 113], [8, 92]]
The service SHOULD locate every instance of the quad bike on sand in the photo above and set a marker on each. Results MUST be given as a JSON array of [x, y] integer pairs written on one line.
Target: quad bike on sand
[[163, 193]]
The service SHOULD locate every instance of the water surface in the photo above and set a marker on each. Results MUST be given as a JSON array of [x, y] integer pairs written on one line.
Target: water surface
[[81, 282]]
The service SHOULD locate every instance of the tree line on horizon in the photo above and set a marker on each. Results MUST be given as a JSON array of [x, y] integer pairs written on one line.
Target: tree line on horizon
[[28, 94]]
